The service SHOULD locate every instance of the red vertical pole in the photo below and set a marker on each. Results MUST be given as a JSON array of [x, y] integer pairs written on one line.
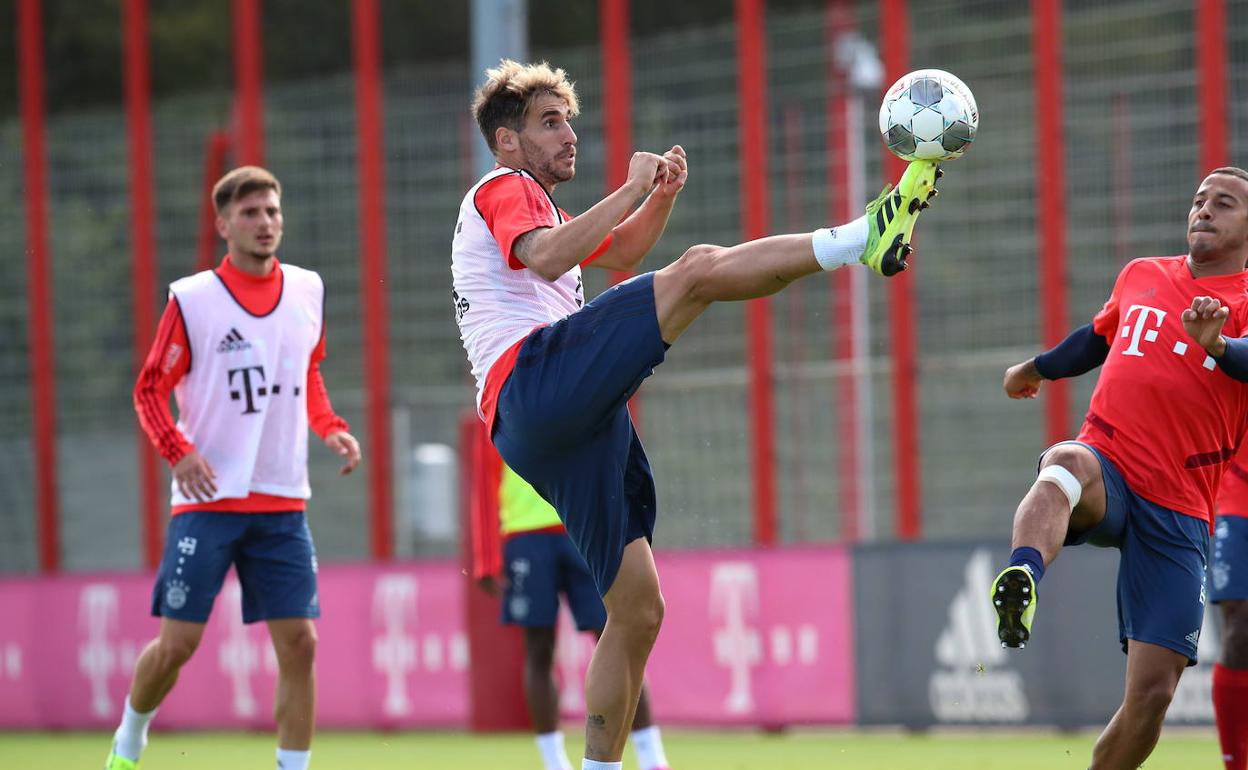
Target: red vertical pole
[[135, 54], [1051, 199], [755, 204], [617, 91], [217, 146], [842, 208], [38, 279], [366, 40], [248, 67], [1212, 81], [895, 41]]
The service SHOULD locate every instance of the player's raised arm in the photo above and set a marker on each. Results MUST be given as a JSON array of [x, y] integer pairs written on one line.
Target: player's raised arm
[[1079, 353], [633, 238]]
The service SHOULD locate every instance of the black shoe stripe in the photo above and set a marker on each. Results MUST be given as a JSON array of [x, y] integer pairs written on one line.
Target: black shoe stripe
[[888, 209], [879, 220]]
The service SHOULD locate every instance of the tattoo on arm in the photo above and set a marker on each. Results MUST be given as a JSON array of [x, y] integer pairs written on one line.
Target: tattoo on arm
[[522, 247], [595, 720]]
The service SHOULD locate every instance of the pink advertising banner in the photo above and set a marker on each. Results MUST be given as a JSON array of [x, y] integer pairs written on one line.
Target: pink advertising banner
[[750, 637], [759, 637], [392, 652]]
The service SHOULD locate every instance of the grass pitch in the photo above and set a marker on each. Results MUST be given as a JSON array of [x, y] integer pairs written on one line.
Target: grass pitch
[[687, 750]]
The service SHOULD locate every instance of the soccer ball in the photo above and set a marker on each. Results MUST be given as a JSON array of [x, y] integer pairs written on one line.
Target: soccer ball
[[928, 115]]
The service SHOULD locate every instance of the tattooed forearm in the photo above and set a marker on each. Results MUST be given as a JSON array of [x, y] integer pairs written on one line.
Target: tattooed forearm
[[596, 720]]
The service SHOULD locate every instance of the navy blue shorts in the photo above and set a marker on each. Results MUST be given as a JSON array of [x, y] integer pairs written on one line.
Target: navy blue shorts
[[272, 552], [1230, 550], [1161, 574], [563, 425], [540, 566]]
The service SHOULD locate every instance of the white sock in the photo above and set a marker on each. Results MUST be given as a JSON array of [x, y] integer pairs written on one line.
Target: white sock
[[288, 759], [839, 246], [649, 748], [589, 764], [131, 737], [553, 753]]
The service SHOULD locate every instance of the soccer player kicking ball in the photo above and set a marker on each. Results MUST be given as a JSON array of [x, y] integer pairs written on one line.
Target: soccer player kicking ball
[[539, 563], [1166, 417], [240, 347], [554, 378], [1229, 568]]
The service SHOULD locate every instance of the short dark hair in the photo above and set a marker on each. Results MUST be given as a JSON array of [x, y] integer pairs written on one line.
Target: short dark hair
[[240, 183], [510, 88], [1231, 171]]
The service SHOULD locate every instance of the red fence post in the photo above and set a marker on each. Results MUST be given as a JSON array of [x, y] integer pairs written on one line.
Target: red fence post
[[373, 294], [248, 80], [895, 42], [842, 150], [38, 280], [755, 210], [1046, 18], [1212, 81], [136, 58], [215, 150]]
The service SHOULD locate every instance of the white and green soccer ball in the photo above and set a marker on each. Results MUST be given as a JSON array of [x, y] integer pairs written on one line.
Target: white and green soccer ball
[[928, 115]]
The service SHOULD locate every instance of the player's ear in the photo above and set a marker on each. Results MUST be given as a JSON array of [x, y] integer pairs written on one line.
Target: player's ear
[[222, 224], [505, 139]]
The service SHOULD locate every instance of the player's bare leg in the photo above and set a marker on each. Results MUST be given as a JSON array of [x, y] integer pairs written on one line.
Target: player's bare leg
[[294, 706], [1067, 498], [155, 673], [616, 671], [1045, 516], [881, 239], [156, 670], [539, 682], [1152, 676], [645, 734]]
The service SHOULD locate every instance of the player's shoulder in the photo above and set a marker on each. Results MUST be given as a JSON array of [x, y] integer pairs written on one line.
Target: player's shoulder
[[192, 283], [300, 273], [501, 182]]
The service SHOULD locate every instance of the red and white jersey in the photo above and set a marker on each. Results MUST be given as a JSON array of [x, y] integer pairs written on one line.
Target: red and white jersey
[[1162, 410], [243, 402], [498, 301]]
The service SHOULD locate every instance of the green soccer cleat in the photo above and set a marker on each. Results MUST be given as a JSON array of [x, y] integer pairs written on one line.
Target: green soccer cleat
[[117, 762], [892, 215], [1014, 598]]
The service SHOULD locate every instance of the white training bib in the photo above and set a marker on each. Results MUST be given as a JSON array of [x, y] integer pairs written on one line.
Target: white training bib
[[495, 304], [243, 403]]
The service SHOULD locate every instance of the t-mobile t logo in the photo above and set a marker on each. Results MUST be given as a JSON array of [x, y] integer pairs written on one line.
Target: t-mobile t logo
[[252, 388], [1143, 326], [738, 644]]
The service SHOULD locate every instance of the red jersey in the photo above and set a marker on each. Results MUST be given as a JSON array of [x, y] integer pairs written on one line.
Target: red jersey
[[168, 361], [1233, 494], [1162, 411]]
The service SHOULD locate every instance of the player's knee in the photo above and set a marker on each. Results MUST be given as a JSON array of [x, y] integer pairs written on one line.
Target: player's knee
[[1075, 458], [297, 648], [649, 617], [1152, 699], [175, 650], [696, 265]]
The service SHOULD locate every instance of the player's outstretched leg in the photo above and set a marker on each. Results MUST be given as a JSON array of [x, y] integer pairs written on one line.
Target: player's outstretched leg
[[892, 215], [706, 273], [1066, 502]]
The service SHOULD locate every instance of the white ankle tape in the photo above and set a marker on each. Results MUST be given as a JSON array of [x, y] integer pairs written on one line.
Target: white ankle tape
[[1065, 480]]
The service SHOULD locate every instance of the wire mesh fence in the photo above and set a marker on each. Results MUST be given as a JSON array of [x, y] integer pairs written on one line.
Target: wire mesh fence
[[1131, 152]]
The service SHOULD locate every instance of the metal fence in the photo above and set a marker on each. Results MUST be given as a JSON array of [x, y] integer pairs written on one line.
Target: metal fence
[[1131, 154]]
